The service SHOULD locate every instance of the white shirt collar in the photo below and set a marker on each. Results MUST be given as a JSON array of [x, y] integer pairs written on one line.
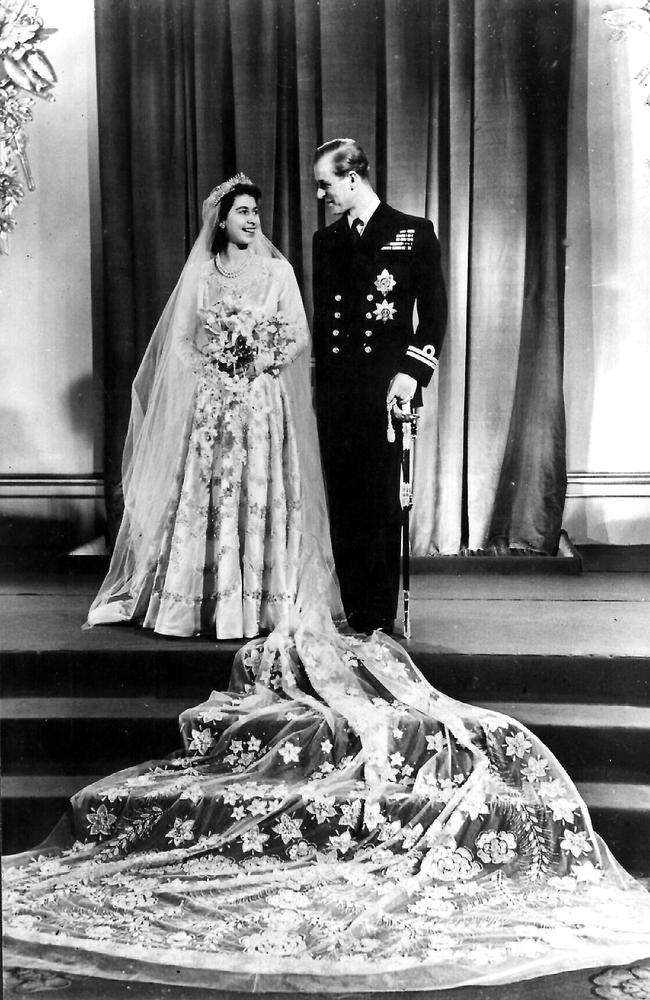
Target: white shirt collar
[[367, 214]]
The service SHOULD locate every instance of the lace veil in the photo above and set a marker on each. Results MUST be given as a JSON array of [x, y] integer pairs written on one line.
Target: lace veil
[[161, 413]]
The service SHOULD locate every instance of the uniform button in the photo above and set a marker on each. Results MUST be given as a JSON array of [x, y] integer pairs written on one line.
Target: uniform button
[[335, 333], [370, 297], [368, 333], [367, 349], [368, 315], [337, 298], [337, 315], [335, 350]]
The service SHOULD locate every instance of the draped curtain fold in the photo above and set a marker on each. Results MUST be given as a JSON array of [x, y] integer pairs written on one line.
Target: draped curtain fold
[[461, 107]]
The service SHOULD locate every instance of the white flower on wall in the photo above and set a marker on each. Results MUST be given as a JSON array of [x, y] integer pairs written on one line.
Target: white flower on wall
[[25, 73]]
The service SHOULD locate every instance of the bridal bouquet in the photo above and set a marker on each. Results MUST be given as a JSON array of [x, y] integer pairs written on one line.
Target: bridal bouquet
[[242, 342]]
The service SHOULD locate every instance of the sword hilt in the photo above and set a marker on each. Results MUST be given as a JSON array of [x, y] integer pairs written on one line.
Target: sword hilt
[[407, 615]]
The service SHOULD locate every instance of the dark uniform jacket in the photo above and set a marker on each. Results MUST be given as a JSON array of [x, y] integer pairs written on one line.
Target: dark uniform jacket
[[364, 294], [364, 332]]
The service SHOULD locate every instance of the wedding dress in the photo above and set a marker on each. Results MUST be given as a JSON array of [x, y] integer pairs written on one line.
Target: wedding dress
[[332, 823], [228, 557], [223, 487]]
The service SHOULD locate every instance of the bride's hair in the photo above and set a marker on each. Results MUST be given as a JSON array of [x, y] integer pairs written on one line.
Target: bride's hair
[[220, 240]]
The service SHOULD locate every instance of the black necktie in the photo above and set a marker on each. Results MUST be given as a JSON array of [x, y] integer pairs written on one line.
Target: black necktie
[[355, 229]]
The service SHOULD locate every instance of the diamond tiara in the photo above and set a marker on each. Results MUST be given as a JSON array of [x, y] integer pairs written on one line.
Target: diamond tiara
[[222, 189]]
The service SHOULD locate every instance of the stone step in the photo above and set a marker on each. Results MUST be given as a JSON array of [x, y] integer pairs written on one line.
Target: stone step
[[107, 734], [531, 713], [101, 735], [191, 673]]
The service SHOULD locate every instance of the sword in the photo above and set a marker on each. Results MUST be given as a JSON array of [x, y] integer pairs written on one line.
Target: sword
[[409, 422]]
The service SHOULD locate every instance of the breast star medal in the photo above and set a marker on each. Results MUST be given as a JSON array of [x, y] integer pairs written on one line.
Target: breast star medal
[[384, 311], [385, 282]]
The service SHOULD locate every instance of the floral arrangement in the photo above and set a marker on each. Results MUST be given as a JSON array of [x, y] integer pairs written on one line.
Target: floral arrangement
[[241, 343], [25, 73]]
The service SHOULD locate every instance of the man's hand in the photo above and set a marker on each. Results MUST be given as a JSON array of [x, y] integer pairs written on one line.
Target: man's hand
[[401, 389]]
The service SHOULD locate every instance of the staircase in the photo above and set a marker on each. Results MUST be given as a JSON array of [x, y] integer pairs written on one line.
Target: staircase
[[76, 705]]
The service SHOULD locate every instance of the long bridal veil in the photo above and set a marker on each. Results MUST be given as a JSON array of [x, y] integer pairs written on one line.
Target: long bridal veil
[[162, 395]]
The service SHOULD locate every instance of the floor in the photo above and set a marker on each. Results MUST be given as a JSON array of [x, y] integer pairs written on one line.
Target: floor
[[596, 614]]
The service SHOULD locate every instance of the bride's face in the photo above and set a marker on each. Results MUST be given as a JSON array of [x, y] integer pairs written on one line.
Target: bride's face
[[242, 221]]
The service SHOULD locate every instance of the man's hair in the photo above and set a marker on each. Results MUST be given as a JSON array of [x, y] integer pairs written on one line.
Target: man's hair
[[347, 155]]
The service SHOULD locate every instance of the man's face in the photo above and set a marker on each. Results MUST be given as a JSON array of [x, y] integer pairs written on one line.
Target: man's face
[[335, 191]]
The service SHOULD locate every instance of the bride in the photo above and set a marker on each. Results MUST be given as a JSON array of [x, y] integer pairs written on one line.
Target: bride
[[332, 822], [221, 471]]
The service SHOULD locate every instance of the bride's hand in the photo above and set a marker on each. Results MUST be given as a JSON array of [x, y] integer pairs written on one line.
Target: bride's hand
[[262, 363]]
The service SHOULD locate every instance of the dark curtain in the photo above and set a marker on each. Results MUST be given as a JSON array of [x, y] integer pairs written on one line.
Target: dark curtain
[[461, 107]]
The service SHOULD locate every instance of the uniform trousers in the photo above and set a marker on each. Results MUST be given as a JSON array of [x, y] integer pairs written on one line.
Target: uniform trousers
[[362, 475]]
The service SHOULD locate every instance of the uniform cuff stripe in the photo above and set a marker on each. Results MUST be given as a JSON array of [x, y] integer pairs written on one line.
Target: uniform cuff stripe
[[418, 355]]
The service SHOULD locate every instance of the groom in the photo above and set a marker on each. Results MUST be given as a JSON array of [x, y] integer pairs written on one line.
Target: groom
[[371, 267]]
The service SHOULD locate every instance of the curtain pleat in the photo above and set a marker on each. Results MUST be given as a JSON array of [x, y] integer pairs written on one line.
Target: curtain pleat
[[461, 107], [348, 34], [528, 506], [308, 121], [440, 457]]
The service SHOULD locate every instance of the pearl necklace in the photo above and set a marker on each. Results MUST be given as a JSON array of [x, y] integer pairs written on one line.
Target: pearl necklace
[[232, 274]]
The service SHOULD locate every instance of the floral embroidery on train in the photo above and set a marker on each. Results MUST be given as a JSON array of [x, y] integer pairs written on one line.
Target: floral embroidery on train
[[331, 808]]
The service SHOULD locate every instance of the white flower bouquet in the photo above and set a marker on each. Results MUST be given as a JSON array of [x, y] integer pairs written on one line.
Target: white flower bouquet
[[241, 343]]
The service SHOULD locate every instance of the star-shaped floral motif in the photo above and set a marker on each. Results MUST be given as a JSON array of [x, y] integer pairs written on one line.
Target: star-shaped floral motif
[[372, 816], [254, 840], [202, 740], [535, 769], [563, 809], [288, 828], [435, 742], [100, 821], [517, 745], [322, 808], [211, 715], [350, 812], [182, 830], [575, 843], [289, 752], [258, 807]]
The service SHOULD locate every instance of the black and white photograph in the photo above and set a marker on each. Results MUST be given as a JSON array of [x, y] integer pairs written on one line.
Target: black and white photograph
[[325, 499]]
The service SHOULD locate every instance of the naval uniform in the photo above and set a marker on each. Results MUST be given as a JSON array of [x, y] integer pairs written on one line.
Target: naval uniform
[[365, 288]]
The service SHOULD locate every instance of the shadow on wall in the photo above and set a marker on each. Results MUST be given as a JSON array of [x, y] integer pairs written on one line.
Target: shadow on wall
[[631, 531], [82, 401]]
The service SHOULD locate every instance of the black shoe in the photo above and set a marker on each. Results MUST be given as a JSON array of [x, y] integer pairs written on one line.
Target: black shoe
[[386, 625], [357, 622]]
